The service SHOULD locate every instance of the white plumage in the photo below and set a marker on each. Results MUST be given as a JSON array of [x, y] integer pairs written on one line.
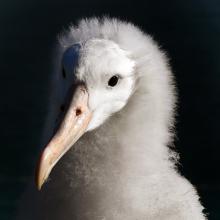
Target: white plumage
[[121, 168]]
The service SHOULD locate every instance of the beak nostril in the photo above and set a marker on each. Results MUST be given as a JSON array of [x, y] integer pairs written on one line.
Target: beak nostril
[[78, 111]]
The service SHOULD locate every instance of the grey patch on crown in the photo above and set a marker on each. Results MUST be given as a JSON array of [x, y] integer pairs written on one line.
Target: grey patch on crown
[[70, 59]]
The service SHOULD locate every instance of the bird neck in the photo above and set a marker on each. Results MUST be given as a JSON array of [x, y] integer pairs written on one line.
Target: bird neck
[[142, 135]]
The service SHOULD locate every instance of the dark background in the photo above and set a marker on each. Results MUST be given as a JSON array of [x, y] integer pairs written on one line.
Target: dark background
[[188, 30]]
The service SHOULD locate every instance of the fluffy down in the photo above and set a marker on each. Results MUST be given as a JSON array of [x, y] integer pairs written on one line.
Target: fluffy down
[[123, 169]]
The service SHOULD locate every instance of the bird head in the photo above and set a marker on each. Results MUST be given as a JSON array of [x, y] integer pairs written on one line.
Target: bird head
[[101, 79]]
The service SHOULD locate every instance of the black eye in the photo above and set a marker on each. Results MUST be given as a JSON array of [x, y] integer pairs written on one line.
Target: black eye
[[63, 72], [113, 81]]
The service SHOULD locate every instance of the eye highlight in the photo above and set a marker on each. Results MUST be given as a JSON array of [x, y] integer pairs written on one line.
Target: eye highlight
[[113, 81]]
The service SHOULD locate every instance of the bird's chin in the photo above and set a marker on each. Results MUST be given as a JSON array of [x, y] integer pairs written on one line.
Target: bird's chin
[[103, 112], [95, 123], [99, 117]]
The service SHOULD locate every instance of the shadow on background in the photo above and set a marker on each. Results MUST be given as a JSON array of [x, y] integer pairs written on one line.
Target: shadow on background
[[188, 30]]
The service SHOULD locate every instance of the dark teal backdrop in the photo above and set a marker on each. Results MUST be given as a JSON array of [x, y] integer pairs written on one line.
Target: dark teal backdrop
[[188, 30]]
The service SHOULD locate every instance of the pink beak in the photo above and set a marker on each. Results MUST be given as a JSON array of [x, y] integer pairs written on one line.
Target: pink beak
[[71, 129]]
